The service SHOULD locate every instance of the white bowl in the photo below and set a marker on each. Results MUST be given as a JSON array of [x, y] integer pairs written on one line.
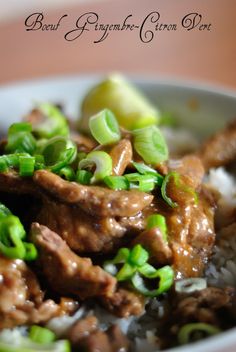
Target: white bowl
[[201, 108]]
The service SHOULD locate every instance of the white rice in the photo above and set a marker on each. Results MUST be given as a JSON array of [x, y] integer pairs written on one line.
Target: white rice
[[221, 270]]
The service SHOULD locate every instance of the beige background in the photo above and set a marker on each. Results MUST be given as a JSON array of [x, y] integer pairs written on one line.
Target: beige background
[[195, 55]]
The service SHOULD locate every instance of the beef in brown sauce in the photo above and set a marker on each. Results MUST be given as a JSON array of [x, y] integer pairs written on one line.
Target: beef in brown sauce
[[21, 298], [124, 303], [94, 200], [220, 149], [78, 276], [112, 340]]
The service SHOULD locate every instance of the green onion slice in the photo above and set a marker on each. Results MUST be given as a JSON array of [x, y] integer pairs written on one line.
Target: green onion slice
[[144, 169], [67, 173], [147, 170], [104, 127], [116, 182], [126, 272], [166, 279], [150, 144], [53, 122], [144, 183], [20, 138], [190, 285], [59, 152], [157, 220], [166, 180], [84, 177], [12, 234], [26, 165], [101, 160], [138, 255], [41, 335], [12, 340], [4, 211], [187, 332]]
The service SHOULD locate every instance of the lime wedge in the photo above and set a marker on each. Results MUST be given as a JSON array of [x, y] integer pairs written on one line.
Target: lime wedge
[[131, 107]]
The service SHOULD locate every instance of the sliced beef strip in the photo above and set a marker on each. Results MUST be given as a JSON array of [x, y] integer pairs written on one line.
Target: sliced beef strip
[[11, 182], [21, 299], [214, 306], [85, 233], [190, 231], [121, 155], [94, 200], [191, 167], [91, 339], [207, 306], [78, 276], [159, 250], [82, 328], [124, 303], [220, 149]]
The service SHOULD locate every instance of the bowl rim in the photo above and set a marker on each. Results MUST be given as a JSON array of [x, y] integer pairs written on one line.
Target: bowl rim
[[225, 341]]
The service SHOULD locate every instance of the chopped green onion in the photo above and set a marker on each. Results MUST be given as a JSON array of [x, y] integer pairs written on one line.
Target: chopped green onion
[[39, 162], [4, 211], [116, 182], [126, 272], [53, 122], [147, 170], [20, 139], [26, 167], [104, 127], [187, 332], [190, 285], [59, 152], [134, 265], [12, 340], [84, 177], [157, 220], [41, 335], [147, 271], [144, 169], [144, 183], [101, 160], [150, 144], [3, 165], [138, 255], [11, 235], [31, 252], [166, 180], [67, 173], [166, 276]]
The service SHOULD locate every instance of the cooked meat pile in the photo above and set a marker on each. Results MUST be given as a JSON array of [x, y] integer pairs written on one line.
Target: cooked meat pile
[[77, 227]]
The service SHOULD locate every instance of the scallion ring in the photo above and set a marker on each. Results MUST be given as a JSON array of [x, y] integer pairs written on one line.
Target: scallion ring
[[166, 180], [104, 127], [166, 279], [150, 144], [101, 160], [67, 173], [59, 152], [190, 285], [84, 177], [26, 165], [116, 182], [187, 332], [20, 138], [52, 123], [41, 335]]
